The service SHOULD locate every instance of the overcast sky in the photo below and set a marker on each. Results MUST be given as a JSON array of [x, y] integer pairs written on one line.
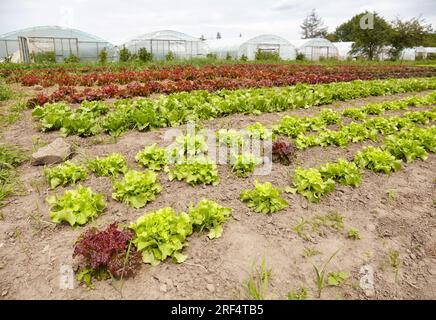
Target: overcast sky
[[117, 20]]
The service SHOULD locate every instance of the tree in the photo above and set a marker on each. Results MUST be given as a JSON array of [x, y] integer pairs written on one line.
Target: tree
[[202, 38], [218, 35], [369, 31], [331, 37], [407, 34], [429, 40], [125, 54], [312, 26], [144, 55], [102, 56]]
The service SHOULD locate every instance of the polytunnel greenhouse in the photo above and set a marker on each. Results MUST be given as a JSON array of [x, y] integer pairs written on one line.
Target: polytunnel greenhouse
[[248, 47], [317, 48], [160, 43], [63, 42]]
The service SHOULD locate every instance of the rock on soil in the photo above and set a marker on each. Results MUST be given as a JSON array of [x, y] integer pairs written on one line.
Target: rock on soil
[[55, 152]]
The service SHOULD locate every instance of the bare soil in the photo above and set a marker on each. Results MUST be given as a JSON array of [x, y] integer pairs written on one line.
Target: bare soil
[[32, 248]]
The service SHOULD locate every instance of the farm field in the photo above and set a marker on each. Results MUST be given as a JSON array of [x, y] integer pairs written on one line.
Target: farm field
[[353, 183]]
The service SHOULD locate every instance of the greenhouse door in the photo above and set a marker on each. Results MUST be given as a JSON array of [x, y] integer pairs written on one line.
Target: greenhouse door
[[269, 48], [323, 52]]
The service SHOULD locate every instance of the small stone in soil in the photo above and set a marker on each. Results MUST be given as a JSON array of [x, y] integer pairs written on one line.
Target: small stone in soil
[[163, 288], [210, 287]]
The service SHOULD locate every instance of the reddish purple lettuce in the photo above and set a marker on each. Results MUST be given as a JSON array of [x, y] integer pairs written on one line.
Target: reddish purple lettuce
[[107, 250], [283, 152]]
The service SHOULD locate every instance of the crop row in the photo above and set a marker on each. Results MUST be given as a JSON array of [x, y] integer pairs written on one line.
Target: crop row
[[110, 89], [274, 75], [179, 108], [408, 144]]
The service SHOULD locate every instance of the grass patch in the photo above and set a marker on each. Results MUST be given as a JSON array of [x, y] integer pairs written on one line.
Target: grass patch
[[5, 92], [319, 224], [256, 285], [10, 158]]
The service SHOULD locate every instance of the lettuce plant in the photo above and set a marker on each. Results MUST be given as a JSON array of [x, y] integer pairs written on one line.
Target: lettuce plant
[[283, 152], [189, 145], [209, 215], [152, 157], [108, 166], [377, 160], [329, 116], [76, 207], [97, 108], [310, 183], [106, 251], [404, 149], [230, 137], [195, 171], [52, 115], [83, 124], [244, 164], [258, 131], [264, 198], [342, 171], [66, 173], [291, 126], [137, 188], [161, 234]]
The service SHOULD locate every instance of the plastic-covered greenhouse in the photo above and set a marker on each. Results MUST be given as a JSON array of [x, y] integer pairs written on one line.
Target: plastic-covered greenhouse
[[160, 43], [316, 48], [237, 47], [62, 41]]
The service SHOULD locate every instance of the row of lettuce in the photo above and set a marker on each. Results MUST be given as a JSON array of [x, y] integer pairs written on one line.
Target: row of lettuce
[[175, 109]]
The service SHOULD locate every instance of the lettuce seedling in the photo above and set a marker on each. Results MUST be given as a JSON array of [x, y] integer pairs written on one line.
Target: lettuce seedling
[[161, 234], [137, 188], [264, 198], [152, 157], [108, 166], [66, 173], [76, 207], [209, 215]]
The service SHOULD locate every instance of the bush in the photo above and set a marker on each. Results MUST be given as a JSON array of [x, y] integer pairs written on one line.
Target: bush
[[144, 55], [102, 56], [211, 56], [125, 54], [265, 55], [300, 57], [43, 57], [170, 56], [244, 58], [72, 59], [228, 57]]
